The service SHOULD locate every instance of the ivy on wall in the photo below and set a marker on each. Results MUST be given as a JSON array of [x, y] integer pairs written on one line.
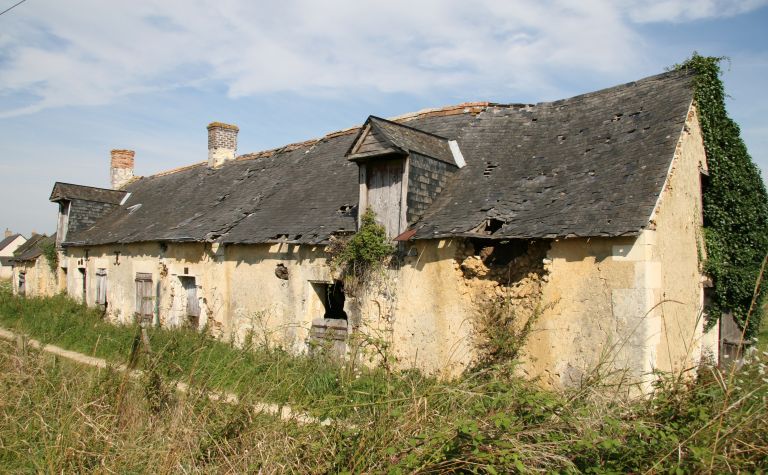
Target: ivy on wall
[[735, 201], [51, 255]]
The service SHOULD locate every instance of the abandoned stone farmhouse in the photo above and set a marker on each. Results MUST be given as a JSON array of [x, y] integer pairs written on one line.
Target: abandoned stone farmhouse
[[583, 214]]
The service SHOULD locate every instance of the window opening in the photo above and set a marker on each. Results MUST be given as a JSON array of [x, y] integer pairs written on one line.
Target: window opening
[[332, 296]]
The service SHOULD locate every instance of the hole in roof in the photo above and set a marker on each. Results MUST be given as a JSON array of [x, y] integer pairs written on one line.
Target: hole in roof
[[492, 225], [631, 131], [617, 117], [561, 138]]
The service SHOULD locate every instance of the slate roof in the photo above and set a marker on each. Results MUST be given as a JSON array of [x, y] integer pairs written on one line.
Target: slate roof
[[7, 241], [408, 139], [68, 191], [32, 249], [592, 165]]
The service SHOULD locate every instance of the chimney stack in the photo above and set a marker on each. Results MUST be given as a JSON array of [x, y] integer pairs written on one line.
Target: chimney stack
[[222, 143], [121, 168], [8, 233]]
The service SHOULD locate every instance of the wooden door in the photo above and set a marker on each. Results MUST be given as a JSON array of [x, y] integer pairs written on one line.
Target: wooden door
[[385, 192], [101, 287], [145, 302], [193, 305]]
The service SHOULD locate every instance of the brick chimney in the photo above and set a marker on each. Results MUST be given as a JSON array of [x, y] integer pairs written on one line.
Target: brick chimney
[[121, 168], [222, 143]]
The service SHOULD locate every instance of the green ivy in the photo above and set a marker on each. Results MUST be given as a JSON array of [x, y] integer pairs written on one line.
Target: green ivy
[[369, 246], [51, 255], [735, 201]]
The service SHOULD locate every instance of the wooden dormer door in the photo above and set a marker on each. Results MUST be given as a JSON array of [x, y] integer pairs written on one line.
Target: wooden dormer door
[[384, 183]]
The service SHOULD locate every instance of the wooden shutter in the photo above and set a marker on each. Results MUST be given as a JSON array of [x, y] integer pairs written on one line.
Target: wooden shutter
[[144, 297], [385, 193], [101, 286], [193, 305]]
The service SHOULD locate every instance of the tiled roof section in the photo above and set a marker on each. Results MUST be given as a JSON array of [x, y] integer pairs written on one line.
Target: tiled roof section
[[7, 241], [33, 248], [592, 165], [409, 139], [68, 191], [301, 195]]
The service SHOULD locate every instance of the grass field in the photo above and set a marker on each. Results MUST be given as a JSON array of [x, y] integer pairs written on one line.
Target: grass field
[[58, 417]]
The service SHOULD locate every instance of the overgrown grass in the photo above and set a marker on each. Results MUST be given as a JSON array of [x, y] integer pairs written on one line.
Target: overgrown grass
[[57, 417], [270, 374]]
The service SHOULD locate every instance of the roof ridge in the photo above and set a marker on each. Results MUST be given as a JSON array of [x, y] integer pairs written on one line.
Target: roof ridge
[[177, 169]]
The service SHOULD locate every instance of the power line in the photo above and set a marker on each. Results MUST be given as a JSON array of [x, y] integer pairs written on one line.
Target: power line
[[12, 7]]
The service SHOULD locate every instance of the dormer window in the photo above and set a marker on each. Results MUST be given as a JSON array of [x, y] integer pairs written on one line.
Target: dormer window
[[402, 170]]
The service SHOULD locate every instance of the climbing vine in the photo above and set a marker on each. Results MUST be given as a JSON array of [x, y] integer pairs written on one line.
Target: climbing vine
[[51, 255], [735, 201], [366, 250]]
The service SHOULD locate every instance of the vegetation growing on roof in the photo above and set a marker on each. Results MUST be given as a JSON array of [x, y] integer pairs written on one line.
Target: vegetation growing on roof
[[735, 202]]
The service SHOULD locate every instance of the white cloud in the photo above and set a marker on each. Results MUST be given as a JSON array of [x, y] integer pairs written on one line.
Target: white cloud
[[90, 52]]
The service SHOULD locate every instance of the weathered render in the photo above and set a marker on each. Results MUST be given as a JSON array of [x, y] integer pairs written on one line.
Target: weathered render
[[33, 275], [582, 215]]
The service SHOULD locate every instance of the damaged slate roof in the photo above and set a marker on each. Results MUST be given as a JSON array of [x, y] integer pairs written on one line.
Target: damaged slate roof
[[33, 248], [592, 165], [68, 191]]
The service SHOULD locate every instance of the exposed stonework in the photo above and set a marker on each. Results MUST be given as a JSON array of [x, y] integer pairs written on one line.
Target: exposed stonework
[[504, 283], [121, 168], [222, 143]]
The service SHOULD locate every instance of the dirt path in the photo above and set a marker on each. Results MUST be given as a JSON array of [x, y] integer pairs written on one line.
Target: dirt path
[[284, 412]]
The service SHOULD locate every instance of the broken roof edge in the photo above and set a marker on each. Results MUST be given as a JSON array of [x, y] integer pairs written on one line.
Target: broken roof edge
[[465, 234]]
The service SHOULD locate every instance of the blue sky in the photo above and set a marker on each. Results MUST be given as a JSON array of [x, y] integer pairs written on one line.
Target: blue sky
[[81, 77]]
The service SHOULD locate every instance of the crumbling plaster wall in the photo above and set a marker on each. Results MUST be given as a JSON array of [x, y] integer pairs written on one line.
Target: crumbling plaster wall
[[40, 281], [270, 308], [165, 263], [678, 325], [630, 305]]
